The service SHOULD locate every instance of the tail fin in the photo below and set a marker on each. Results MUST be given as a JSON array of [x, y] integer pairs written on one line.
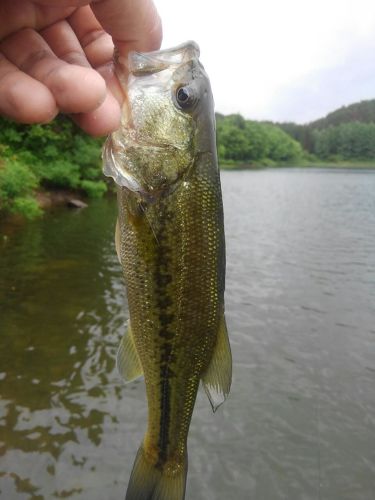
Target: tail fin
[[150, 483]]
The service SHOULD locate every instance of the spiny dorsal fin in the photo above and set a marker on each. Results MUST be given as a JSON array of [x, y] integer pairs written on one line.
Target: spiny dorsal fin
[[217, 378], [128, 362]]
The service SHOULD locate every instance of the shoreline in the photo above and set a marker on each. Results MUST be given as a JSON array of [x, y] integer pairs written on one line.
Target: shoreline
[[370, 165], [49, 199]]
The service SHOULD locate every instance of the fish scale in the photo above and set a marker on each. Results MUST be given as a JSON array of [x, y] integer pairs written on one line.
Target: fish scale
[[194, 308], [170, 242]]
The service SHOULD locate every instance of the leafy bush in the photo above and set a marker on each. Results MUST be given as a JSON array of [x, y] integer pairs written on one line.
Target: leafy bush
[[15, 179], [94, 189], [17, 182], [58, 173], [57, 155], [26, 206]]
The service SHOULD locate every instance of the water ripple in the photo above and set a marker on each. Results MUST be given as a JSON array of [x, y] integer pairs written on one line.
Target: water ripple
[[300, 310]]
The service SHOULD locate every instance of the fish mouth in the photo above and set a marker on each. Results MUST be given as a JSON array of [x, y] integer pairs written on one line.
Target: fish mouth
[[143, 63]]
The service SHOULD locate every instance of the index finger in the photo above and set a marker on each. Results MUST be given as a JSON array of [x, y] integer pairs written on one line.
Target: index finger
[[133, 25]]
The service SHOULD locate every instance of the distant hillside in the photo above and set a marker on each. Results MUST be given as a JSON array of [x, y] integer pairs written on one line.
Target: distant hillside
[[363, 112], [360, 112]]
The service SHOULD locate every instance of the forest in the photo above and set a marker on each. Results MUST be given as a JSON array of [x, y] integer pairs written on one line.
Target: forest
[[347, 123], [241, 141], [345, 134], [59, 155]]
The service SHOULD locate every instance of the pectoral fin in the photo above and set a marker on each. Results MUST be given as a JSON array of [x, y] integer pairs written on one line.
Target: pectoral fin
[[128, 362], [218, 377], [118, 240]]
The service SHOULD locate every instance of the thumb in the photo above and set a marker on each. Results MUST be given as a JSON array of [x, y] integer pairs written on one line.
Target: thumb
[[133, 24]]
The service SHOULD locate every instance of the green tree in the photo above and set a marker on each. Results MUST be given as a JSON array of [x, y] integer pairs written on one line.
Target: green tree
[[248, 141]]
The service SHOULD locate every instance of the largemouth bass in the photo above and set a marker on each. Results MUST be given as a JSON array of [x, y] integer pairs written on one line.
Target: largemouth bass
[[170, 243]]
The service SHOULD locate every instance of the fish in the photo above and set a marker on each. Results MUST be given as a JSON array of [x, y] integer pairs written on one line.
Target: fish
[[171, 246]]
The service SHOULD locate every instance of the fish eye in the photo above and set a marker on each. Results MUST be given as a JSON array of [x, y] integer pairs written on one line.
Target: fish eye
[[184, 97]]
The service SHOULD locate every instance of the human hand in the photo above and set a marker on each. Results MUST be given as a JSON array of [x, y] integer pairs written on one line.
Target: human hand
[[56, 56]]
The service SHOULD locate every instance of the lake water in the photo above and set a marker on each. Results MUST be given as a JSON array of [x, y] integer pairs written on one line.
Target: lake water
[[300, 421]]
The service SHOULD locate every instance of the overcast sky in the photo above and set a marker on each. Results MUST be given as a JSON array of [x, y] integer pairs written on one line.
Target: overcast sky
[[285, 60]]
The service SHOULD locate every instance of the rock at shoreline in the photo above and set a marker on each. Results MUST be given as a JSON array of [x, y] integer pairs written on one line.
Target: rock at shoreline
[[75, 203], [53, 198]]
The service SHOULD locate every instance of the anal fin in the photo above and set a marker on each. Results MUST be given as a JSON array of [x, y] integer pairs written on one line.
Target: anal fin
[[128, 362], [217, 378]]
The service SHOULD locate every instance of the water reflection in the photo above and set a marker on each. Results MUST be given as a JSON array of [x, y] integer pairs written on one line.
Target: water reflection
[[300, 307], [62, 314]]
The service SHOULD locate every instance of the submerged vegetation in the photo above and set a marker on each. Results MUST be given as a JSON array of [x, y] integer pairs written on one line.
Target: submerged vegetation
[[60, 156]]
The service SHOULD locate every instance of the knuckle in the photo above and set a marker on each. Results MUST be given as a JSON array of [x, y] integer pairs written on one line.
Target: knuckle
[[35, 58]]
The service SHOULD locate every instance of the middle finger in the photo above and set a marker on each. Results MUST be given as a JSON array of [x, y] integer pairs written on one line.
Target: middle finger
[[61, 38]]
